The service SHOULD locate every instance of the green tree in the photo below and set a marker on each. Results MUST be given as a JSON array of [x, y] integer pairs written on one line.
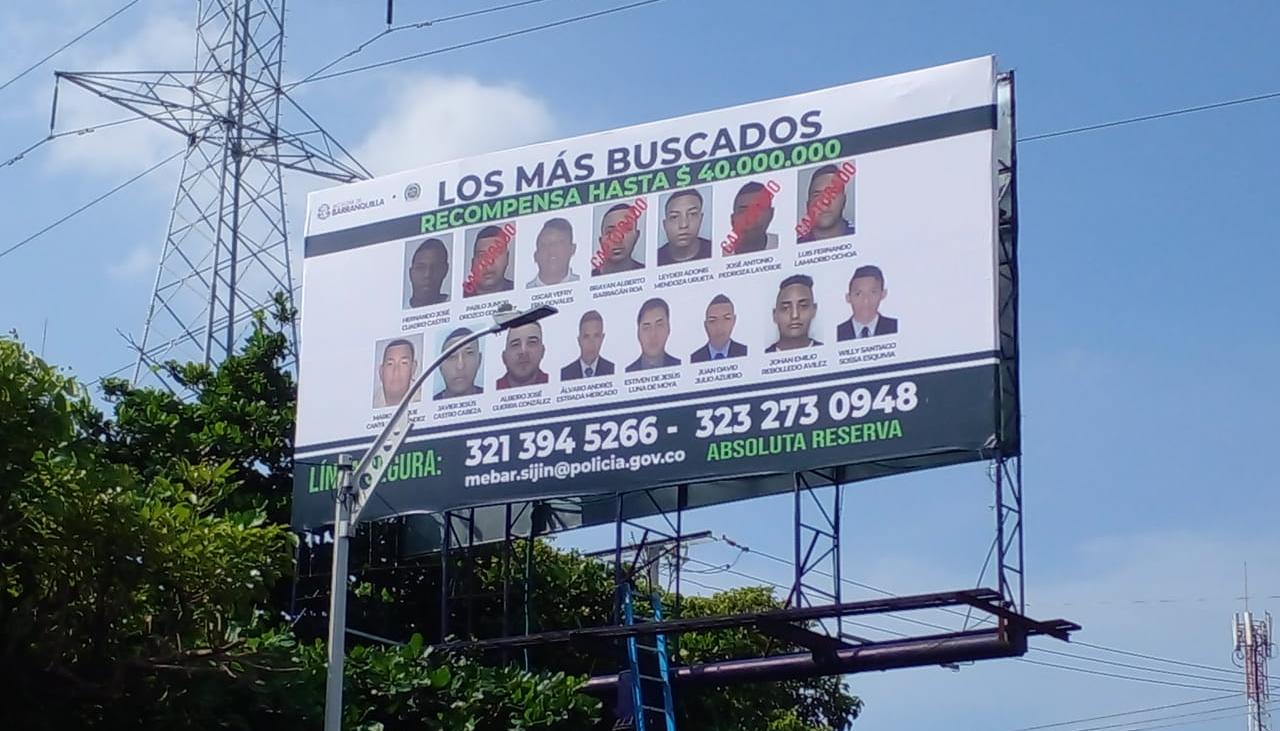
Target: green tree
[[146, 563], [138, 556]]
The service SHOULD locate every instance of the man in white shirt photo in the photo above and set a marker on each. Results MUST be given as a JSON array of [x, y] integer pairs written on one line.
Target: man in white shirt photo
[[553, 253], [589, 363], [396, 371]]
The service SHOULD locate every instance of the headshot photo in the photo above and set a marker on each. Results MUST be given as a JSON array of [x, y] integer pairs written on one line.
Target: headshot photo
[[457, 376], [686, 224], [589, 363], [653, 327], [866, 292], [489, 261], [793, 311], [826, 203], [750, 219], [522, 355], [427, 272], [620, 243], [553, 252], [396, 367], [719, 321]]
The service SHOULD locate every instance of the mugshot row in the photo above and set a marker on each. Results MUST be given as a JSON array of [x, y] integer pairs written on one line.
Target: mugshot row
[[692, 225], [795, 304]]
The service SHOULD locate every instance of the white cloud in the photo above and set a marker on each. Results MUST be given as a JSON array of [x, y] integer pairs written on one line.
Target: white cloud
[[139, 262], [443, 118], [161, 42]]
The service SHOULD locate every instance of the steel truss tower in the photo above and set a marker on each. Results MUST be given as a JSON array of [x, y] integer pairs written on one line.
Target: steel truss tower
[[227, 246], [1252, 650]]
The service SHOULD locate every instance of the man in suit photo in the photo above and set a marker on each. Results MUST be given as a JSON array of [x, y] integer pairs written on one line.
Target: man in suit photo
[[866, 292], [793, 312], [589, 363], [459, 371], [653, 327], [719, 324]]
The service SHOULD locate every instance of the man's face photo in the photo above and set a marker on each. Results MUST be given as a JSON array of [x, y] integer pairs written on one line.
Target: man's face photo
[[553, 252], [719, 324], [460, 370], [396, 371], [590, 338], [490, 277], [829, 215], [429, 268], [653, 331], [524, 351], [752, 214], [793, 312], [682, 220], [864, 297], [618, 246]]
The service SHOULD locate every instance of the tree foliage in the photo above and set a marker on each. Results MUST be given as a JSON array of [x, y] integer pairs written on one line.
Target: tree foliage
[[146, 565]]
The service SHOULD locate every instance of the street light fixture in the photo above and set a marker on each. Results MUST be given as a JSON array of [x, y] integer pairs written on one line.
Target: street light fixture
[[366, 476]]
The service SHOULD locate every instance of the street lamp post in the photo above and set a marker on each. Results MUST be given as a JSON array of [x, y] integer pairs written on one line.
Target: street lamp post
[[354, 489]]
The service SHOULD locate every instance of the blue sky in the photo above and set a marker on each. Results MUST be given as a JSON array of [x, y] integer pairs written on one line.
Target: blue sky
[[1150, 324]]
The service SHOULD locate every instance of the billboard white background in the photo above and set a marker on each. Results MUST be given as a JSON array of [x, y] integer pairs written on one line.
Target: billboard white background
[[924, 217]]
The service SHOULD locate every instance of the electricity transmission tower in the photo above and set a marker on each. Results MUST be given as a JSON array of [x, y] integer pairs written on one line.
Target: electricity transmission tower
[[227, 246]]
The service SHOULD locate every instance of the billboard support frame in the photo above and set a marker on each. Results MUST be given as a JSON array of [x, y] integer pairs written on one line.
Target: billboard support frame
[[1008, 457]]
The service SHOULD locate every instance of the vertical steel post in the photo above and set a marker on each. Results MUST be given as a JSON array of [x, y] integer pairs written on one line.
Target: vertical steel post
[[338, 597], [444, 575]]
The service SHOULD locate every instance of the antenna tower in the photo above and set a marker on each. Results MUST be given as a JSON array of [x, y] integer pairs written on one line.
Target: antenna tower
[[1252, 638]]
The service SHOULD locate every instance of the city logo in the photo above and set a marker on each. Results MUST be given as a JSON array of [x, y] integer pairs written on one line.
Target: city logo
[[324, 210], [412, 191]]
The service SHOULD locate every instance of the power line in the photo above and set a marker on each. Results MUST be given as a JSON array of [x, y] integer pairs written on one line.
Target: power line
[[90, 204], [1127, 713], [410, 26], [479, 41], [82, 131], [1149, 117], [1119, 676], [1128, 665], [68, 44], [1156, 658], [1221, 714], [1231, 710]]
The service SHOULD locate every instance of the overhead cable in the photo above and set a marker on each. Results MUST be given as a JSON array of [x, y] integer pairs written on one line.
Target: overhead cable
[[68, 44]]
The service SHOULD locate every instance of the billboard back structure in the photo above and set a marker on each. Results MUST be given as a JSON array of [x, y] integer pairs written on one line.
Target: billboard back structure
[[800, 283]]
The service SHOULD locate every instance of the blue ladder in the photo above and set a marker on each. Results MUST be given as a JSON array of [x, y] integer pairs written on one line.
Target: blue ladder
[[652, 707]]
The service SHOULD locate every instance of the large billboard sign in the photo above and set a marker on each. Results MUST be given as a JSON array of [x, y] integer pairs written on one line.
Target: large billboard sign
[[791, 284]]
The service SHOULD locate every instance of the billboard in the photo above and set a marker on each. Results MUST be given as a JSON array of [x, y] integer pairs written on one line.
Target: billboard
[[804, 282]]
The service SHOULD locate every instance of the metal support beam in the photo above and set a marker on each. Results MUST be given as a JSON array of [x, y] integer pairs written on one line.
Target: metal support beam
[[913, 652], [981, 599]]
